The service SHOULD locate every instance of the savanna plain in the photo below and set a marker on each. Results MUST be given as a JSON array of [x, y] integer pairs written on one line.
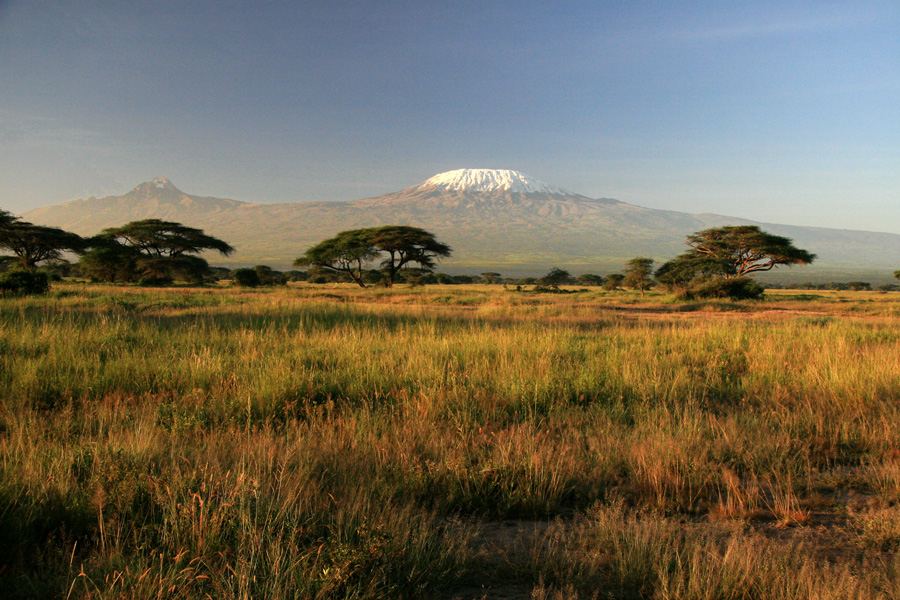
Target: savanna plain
[[326, 441]]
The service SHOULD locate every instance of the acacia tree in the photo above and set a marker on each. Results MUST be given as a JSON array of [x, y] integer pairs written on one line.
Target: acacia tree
[[745, 249], [555, 278], [347, 252], [245, 278], [613, 281], [157, 238], [35, 243], [405, 245], [639, 273], [6, 218], [589, 279], [110, 261], [679, 273], [165, 249], [720, 260]]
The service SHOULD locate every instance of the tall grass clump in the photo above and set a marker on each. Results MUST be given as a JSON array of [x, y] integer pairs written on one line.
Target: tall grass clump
[[613, 552]]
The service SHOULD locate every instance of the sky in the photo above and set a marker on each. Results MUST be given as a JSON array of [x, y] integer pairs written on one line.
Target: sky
[[781, 112]]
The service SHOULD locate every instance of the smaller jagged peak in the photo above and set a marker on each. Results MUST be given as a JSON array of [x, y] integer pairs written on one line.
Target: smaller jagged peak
[[492, 180]]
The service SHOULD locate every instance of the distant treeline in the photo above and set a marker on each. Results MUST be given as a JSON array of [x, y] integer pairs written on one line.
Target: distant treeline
[[153, 252], [263, 275], [855, 286]]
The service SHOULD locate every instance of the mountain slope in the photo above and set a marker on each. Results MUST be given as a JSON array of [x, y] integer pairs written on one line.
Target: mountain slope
[[493, 219]]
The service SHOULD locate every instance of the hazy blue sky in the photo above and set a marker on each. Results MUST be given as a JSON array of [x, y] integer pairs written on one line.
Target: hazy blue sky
[[776, 111]]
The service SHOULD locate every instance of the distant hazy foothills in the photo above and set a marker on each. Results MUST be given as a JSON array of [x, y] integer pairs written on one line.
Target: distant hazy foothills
[[494, 220]]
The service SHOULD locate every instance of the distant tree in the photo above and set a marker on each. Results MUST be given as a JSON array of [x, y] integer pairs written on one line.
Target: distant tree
[[896, 274], [415, 277], [680, 273], [6, 218], [35, 243], [858, 286], [58, 269], [350, 251], [590, 279], [257, 276], [555, 278], [347, 252], [166, 250], [110, 261], [163, 270], [639, 273], [245, 278], [613, 281], [406, 245], [269, 276], [219, 273], [705, 278], [153, 237], [373, 276], [490, 277], [745, 249], [296, 275], [728, 253]]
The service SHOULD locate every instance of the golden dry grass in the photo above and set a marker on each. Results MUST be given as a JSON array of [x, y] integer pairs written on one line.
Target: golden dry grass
[[328, 441]]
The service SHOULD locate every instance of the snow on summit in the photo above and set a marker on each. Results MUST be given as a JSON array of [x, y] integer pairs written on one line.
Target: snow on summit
[[491, 180]]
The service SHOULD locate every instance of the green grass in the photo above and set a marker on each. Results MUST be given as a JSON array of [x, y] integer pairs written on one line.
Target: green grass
[[333, 442]]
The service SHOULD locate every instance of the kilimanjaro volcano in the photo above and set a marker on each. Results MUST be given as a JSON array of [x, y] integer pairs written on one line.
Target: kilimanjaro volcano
[[495, 219]]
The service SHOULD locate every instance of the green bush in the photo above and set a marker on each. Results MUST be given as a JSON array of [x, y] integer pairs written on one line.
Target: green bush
[[24, 283], [737, 288], [154, 281]]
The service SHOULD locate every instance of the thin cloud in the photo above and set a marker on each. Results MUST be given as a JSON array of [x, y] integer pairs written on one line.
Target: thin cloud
[[821, 23]]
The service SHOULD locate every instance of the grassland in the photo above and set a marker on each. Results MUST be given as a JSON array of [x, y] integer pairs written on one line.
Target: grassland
[[448, 442]]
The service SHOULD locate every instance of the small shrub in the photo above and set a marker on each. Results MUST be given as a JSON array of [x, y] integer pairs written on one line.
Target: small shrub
[[154, 281], [24, 283], [880, 529]]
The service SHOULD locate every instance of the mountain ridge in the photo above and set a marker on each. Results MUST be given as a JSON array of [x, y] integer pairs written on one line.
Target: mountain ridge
[[496, 220]]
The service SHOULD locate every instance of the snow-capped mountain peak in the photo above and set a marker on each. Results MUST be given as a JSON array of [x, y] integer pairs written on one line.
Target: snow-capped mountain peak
[[157, 185], [492, 180]]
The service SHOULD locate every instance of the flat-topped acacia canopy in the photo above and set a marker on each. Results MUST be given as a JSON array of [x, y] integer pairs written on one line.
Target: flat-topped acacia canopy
[[349, 251], [745, 249]]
